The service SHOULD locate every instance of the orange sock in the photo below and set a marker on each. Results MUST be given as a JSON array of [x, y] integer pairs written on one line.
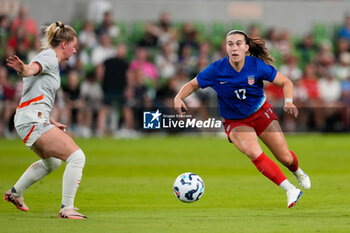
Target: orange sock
[[269, 169]]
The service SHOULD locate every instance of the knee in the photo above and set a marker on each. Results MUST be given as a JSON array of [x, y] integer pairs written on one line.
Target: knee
[[250, 149], [51, 164], [77, 159], [286, 158], [252, 154]]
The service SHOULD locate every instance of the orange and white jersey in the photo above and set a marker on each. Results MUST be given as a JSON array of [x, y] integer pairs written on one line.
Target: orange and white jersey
[[39, 91]]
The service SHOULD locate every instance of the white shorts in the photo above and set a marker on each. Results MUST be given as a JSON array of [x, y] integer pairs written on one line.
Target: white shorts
[[31, 132]]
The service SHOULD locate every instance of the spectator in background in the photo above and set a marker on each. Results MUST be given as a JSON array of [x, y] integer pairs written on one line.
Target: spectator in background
[[284, 43], [150, 37], [330, 94], [189, 38], [205, 50], [108, 26], [307, 49], [344, 31], [187, 60], [166, 33], [330, 90], [254, 31], [24, 20], [87, 37], [271, 39], [221, 53], [20, 42], [34, 50], [342, 45], [9, 101], [345, 100], [313, 112], [137, 99], [103, 50], [165, 61], [96, 10], [9, 51], [310, 82], [341, 70], [91, 95], [345, 89], [73, 102], [4, 30], [146, 69], [324, 58], [114, 81], [290, 68]]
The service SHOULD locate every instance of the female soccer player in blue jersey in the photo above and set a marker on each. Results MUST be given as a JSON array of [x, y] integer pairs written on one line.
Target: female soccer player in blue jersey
[[238, 82]]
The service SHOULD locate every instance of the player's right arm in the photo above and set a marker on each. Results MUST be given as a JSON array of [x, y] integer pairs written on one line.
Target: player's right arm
[[22, 69], [185, 91]]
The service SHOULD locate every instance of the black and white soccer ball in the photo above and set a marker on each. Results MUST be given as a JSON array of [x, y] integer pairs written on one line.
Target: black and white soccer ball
[[188, 187]]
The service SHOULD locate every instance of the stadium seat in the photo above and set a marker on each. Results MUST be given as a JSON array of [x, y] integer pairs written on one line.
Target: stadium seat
[[138, 30], [320, 32], [237, 26], [78, 25], [123, 27], [219, 28], [201, 29]]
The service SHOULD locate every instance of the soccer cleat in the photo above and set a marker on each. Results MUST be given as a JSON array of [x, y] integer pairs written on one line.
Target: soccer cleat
[[17, 201], [70, 213], [293, 196], [303, 178]]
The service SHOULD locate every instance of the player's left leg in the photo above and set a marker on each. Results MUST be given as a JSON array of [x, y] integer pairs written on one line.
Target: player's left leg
[[56, 143], [274, 139], [245, 139]]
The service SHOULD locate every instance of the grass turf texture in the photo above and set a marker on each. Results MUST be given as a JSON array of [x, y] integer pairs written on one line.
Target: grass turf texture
[[127, 187]]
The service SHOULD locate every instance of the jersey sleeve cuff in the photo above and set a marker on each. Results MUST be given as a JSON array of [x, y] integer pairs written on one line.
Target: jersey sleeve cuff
[[200, 83], [273, 76], [40, 67]]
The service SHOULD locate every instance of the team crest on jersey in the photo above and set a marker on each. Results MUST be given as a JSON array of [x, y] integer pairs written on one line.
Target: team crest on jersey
[[251, 79]]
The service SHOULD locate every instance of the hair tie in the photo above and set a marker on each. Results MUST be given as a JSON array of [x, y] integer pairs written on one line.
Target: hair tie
[[58, 24]]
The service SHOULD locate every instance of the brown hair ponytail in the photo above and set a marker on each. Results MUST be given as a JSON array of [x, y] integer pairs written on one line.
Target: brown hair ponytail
[[257, 47], [58, 32]]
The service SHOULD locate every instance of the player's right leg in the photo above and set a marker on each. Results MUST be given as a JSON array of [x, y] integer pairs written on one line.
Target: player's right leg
[[34, 173], [56, 143], [30, 133], [16, 200]]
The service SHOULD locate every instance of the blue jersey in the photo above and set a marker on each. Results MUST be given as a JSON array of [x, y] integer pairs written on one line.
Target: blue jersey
[[240, 94]]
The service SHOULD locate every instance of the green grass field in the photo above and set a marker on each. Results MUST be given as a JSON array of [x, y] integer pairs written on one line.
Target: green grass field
[[127, 187]]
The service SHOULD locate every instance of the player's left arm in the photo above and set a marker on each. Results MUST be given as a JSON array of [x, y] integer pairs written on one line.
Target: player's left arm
[[287, 85]]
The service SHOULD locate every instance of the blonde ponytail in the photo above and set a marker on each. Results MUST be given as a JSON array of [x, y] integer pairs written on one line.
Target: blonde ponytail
[[58, 32]]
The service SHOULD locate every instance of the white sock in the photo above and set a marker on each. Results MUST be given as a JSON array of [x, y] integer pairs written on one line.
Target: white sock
[[71, 177], [34, 173], [298, 172], [286, 185]]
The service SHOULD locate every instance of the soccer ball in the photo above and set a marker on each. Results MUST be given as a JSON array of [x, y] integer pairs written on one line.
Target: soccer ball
[[188, 187]]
